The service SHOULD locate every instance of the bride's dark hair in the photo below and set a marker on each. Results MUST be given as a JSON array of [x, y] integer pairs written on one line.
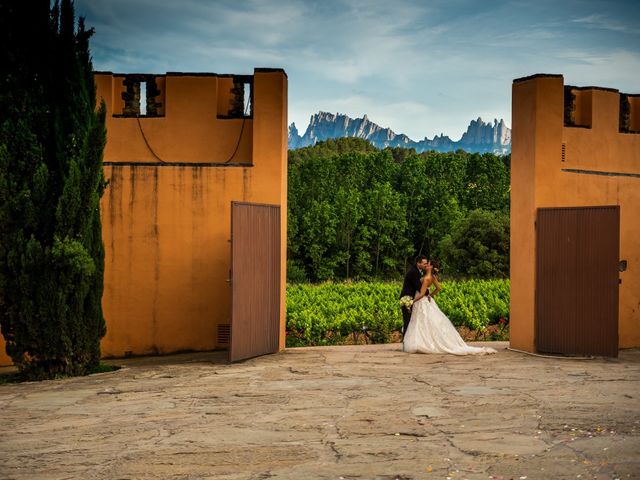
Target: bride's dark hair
[[435, 263]]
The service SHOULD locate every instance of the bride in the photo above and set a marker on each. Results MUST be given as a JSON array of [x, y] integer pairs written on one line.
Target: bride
[[430, 331]]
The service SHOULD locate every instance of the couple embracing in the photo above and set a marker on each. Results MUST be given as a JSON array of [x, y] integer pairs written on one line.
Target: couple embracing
[[426, 328]]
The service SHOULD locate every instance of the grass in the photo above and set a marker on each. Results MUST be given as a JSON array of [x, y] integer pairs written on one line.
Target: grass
[[17, 377], [103, 368], [13, 377]]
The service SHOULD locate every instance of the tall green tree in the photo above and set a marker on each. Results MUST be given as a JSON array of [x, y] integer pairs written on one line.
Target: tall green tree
[[478, 246], [385, 223], [487, 183], [51, 179]]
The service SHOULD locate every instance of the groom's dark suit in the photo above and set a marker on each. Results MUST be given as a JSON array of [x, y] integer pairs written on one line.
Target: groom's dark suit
[[410, 286]]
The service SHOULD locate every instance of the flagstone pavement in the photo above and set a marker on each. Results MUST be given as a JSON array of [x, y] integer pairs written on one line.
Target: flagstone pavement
[[349, 412]]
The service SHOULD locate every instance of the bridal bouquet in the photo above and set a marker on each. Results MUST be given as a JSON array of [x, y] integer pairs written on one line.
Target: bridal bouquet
[[406, 302]]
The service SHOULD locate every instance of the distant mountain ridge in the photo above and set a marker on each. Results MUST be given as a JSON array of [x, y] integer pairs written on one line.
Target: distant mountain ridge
[[480, 136]]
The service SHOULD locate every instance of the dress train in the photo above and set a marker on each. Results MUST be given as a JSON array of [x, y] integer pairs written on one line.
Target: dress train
[[430, 331]]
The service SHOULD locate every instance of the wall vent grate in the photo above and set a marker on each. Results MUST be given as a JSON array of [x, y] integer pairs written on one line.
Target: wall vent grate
[[224, 334]]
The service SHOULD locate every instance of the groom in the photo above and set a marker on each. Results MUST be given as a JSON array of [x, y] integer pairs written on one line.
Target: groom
[[412, 285]]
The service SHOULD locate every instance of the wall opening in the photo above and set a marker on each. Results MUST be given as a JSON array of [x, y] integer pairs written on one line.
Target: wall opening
[[142, 96], [577, 107], [238, 102], [248, 106], [629, 113]]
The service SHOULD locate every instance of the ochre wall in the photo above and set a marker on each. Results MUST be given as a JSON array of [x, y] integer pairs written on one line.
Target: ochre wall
[[166, 226], [539, 179], [189, 131], [4, 358]]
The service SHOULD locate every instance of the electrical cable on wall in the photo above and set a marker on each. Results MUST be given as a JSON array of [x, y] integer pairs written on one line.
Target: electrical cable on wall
[[555, 357], [147, 142], [235, 150], [244, 118]]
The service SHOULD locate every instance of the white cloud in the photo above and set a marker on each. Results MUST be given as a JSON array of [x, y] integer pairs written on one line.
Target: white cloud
[[419, 68], [618, 69], [598, 20]]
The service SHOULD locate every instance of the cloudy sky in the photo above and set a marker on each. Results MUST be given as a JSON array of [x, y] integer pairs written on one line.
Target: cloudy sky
[[417, 67]]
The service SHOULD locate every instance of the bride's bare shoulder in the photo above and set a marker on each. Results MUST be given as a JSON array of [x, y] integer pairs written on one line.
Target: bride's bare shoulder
[[426, 278]]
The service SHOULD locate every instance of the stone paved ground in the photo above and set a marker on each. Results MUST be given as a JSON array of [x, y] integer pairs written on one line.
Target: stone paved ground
[[331, 412]]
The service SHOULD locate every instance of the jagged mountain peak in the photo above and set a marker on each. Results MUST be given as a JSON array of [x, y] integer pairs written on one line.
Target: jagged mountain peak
[[480, 136]]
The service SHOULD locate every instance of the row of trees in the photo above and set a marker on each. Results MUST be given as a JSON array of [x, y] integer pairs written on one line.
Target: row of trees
[[51, 145], [358, 212]]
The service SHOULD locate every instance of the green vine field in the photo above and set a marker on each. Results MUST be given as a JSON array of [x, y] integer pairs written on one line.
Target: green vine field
[[328, 313]]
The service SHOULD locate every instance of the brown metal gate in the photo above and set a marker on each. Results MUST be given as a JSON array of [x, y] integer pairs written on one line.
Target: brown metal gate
[[577, 280], [255, 280]]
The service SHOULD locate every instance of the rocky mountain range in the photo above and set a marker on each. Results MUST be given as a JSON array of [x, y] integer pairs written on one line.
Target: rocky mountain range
[[480, 136]]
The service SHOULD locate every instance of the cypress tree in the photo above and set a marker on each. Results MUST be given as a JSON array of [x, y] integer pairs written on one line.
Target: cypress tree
[[52, 140]]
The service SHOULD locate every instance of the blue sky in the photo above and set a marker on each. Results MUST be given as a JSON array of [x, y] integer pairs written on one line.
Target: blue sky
[[417, 67]]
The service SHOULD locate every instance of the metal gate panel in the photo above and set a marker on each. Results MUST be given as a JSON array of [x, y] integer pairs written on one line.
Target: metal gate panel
[[577, 280], [255, 280]]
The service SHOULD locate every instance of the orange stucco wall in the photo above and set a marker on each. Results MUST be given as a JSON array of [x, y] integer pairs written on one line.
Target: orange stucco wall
[[539, 178], [4, 358], [166, 226]]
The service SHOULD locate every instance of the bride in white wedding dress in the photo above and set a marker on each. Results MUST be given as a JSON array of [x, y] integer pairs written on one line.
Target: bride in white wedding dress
[[430, 331]]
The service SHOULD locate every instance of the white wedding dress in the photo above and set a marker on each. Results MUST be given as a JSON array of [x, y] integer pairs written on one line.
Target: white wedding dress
[[430, 331]]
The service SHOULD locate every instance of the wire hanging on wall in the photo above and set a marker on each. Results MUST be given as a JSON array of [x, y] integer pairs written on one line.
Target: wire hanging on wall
[[244, 119], [235, 150], [144, 137]]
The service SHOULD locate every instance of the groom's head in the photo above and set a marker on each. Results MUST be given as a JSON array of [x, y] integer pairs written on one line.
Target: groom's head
[[421, 262]]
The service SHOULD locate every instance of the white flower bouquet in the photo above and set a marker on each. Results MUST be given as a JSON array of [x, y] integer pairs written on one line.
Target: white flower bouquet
[[406, 302]]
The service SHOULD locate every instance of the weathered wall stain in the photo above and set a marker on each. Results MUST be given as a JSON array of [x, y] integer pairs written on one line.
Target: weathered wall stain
[[157, 262], [245, 184], [131, 216]]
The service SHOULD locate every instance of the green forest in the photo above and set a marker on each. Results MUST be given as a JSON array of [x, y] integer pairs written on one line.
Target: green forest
[[360, 213]]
